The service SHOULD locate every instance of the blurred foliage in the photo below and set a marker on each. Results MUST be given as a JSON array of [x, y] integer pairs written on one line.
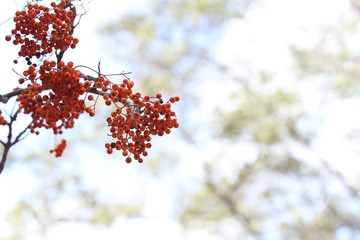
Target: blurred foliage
[[265, 121], [336, 55], [279, 194], [170, 41], [62, 198]]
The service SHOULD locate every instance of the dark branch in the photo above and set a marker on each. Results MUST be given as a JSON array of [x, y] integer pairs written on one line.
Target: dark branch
[[4, 156], [5, 98], [7, 145]]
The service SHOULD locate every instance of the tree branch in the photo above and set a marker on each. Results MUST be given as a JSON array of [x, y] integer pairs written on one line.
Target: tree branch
[[5, 98], [7, 145]]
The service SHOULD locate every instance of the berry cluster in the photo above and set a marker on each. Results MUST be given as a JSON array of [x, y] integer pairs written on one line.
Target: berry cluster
[[138, 118], [58, 108], [2, 119], [40, 29], [54, 91], [58, 150]]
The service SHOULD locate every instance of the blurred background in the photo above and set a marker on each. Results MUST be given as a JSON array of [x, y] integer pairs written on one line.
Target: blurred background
[[268, 144]]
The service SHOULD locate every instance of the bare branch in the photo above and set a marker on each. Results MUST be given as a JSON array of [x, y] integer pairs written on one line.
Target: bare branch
[[7, 145], [4, 156], [18, 137], [88, 77], [5, 98], [99, 66]]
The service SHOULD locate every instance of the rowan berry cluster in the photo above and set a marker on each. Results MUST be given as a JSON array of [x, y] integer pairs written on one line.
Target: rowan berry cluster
[[2, 119], [58, 150], [39, 29], [58, 108], [138, 118], [54, 95]]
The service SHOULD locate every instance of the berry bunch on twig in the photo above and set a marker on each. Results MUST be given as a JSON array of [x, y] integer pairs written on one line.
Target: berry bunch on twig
[[55, 93]]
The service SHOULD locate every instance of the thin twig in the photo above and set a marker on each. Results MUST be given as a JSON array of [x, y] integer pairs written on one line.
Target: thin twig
[[99, 66], [7, 20], [101, 74]]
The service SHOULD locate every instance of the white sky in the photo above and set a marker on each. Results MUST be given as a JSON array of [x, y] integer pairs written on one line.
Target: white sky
[[265, 36]]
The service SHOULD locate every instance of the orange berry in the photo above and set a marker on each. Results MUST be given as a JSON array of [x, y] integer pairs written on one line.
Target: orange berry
[[130, 84], [31, 69], [67, 75], [106, 83], [123, 101], [98, 84], [108, 102], [87, 84]]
